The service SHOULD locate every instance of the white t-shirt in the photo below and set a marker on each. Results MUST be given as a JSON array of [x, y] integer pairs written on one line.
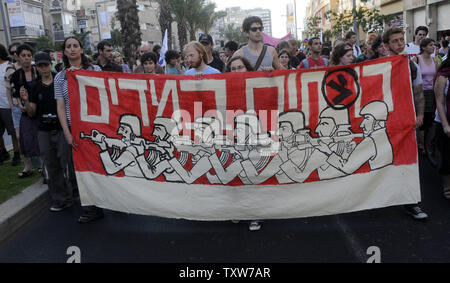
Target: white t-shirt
[[412, 49], [4, 103], [418, 80], [206, 71]]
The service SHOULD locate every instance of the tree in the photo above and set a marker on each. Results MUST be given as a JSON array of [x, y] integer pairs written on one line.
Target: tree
[[208, 17], [233, 32], [165, 19], [44, 42], [312, 26], [116, 36], [193, 16], [83, 36], [180, 11], [127, 14], [370, 20]]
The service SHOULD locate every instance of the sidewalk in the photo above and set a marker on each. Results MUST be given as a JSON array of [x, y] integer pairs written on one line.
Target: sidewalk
[[17, 211]]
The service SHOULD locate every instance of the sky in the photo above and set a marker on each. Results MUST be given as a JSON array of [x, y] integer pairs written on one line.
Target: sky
[[277, 7]]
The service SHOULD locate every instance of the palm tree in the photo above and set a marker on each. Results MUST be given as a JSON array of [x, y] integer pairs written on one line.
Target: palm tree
[[208, 17], [127, 14], [165, 19], [193, 17], [180, 11]]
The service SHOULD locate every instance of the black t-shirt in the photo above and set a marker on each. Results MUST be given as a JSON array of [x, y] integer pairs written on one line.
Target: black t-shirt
[[217, 64], [110, 67], [295, 61], [18, 79], [44, 98], [301, 57]]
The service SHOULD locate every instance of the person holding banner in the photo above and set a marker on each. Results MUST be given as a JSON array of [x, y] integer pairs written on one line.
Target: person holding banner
[[149, 61], [262, 57], [394, 42], [197, 57], [342, 55], [314, 60], [74, 59]]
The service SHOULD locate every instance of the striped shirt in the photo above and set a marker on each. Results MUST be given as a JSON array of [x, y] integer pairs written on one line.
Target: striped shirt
[[62, 91]]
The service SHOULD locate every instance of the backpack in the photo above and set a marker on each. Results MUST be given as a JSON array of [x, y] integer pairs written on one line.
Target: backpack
[[306, 63]]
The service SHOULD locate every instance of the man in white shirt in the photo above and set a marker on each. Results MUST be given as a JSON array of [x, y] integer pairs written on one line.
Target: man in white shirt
[[413, 48], [351, 38]]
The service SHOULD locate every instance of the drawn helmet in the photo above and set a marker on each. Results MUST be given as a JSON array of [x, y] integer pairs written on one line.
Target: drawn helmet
[[169, 124], [210, 121], [133, 122], [377, 109], [251, 120], [340, 117], [294, 117]]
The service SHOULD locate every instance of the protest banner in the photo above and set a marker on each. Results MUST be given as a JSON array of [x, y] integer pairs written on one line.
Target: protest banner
[[252, 145]]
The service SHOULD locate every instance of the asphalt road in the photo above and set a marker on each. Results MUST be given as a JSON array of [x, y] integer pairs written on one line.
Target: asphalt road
[[122, 237]]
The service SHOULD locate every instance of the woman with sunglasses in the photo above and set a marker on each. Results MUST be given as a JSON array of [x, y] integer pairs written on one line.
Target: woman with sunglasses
[[74, 59]]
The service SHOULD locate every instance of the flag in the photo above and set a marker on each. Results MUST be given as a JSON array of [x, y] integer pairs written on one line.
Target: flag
[[162, 60]]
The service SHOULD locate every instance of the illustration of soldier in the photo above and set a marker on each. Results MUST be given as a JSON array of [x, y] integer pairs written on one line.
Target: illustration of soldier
[[375, 148], [250, 144], [208, 131], [123, 151], [160, 151], [334, 130], [291, 132]]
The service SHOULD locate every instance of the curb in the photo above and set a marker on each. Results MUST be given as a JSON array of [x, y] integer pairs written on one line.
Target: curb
[[17, 211]]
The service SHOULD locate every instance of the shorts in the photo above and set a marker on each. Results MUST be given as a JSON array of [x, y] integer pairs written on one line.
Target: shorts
[[16, 115], [6, 122]]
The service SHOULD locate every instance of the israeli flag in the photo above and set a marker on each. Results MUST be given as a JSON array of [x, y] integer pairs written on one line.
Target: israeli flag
[[162, 60]]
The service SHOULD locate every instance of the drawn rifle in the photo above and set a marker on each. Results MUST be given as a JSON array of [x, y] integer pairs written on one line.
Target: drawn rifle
[[98, 137], [303, 141]]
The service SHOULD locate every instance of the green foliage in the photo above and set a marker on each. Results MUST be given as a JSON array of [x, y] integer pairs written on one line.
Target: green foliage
[[233, 32], [116, 36], [127, 14], [312, 26], [45, 42]]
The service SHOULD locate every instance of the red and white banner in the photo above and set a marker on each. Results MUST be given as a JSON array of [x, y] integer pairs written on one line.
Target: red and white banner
[[249, 145]]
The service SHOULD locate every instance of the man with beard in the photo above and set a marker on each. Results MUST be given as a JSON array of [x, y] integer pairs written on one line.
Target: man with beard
[[197, 57], [106, 59], [213, 60]]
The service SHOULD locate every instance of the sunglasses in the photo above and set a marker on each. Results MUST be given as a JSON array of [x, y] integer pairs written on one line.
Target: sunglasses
[[255, 29]]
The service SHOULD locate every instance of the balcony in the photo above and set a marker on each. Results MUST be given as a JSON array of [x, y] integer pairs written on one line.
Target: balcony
[[31, 32]]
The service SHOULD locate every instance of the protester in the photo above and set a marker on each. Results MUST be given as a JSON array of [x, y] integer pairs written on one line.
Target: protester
[[197, 58], [223, 57], [13, 66], [157, 50], [441, 90], [118, 59], [21, 82], [106, 58], [285, 60], [413, 48], [394, 41], [428, 66], [74, 59], [351, 38], [261, 56], [239, 64], [149, 61], [315, 60], [342, 55], [41, 103], [213, 61], [6, 106], [443, 51], [296, 56], [325, 53], [173, 64], [378, 49], [139, 69], [230, 48]]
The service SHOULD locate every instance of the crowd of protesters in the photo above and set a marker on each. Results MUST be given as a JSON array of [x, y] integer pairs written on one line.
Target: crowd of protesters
[[35, 112]]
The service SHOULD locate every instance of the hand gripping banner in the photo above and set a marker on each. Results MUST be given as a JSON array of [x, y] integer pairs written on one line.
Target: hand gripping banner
[[249, 145]]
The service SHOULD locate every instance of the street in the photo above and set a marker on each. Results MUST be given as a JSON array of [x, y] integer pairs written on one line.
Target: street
[[121, 237]]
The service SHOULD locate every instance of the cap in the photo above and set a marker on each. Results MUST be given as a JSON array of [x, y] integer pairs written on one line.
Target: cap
[[205, 38], [42, 58]]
